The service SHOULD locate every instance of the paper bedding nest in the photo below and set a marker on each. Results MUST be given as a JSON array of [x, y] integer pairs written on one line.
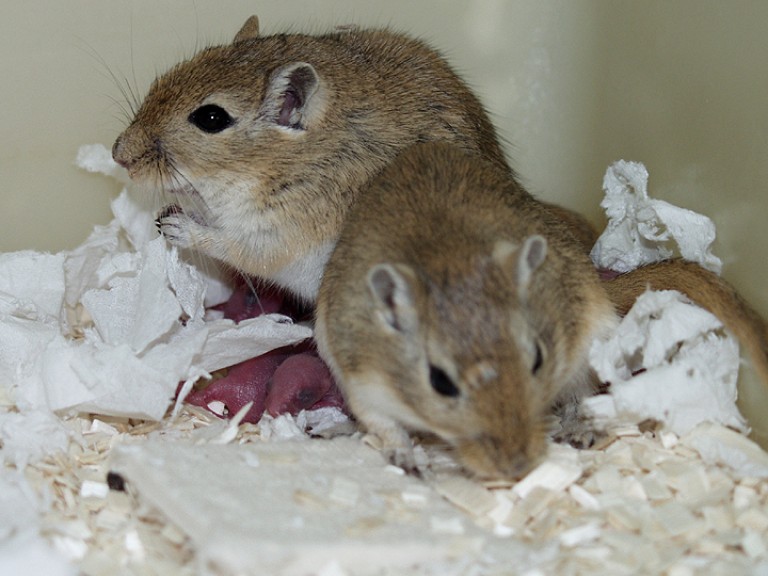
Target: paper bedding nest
[[114, 328]]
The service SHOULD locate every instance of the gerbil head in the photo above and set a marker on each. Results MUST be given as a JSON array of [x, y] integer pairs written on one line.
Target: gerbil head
[[207, 111], [212, 126], [235, 140], [472, 362]]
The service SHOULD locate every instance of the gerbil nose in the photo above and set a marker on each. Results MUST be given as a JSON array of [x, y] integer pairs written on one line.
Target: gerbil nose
[[119, 155], [518, 466], [116, 147], [493, 458]]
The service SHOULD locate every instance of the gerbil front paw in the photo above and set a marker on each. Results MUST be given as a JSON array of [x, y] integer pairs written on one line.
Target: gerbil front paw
[[395, 443], [579, 433], [576, 429], [403, 457], [180, 230]]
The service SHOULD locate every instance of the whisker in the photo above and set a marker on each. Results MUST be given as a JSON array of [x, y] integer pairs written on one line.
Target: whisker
[[174, 179], [133, 89], [249, 282], [126, 113], [130, 97], [163, 179]]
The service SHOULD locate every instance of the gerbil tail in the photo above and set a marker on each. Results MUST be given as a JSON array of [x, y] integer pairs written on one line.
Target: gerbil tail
[[706, 289]]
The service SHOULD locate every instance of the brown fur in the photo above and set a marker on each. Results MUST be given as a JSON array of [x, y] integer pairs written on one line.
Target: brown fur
[[454, 230], [270, 199]]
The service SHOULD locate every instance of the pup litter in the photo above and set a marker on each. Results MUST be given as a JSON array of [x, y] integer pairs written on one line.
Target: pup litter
[[103, 474]]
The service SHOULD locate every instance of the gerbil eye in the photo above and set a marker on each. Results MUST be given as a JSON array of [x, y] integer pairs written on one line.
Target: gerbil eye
[[211, 118], [539, 359], [441, 383]]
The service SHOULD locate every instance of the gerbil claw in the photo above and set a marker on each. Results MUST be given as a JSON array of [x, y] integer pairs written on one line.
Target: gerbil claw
[[179, 228], [168, 210], [404, 458], [576, 428], [164, 213], [580, 434], [394, 442]]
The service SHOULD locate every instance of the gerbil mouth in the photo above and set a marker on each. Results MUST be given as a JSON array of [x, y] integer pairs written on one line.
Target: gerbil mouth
[[488, 460]]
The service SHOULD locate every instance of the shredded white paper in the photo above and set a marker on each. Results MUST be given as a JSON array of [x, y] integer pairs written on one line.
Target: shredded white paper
[[686, 366], [669, 359], [642, 230], [110, 328], [316, 515], [22, 548], [113, 326]]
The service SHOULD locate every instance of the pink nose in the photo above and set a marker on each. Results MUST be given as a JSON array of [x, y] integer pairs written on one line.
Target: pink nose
[[119, 155]]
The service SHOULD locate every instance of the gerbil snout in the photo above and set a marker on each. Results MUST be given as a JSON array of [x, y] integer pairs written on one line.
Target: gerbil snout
[[119, 154], [492, 458], [126, 152], [132, 149]]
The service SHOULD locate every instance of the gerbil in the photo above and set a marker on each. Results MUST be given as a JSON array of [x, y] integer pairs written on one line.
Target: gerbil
[[473, 320], [263, 144], [457, 304]]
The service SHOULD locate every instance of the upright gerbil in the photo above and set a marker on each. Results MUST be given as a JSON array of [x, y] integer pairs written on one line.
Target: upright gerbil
[[261, 145], [473, 321]]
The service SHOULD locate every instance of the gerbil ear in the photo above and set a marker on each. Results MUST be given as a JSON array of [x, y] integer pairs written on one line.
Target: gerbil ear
[[249, 31], [532, 255], [292, 99], [521, 261], [392, 290]]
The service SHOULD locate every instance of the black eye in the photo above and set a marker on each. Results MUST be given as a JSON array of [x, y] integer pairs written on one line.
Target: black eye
[[539, 359], [211, 118], [441, 383]]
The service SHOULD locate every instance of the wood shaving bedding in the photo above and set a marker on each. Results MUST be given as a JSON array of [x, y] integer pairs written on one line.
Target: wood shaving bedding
[[646, 503]]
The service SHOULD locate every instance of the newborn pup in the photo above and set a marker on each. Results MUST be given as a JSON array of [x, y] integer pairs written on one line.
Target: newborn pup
[[283, 381]]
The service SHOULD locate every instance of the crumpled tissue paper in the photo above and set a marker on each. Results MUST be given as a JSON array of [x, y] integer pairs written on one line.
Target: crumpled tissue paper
[[348, 518], [113, 326], [668, 359], [23, 550], [642, 230]]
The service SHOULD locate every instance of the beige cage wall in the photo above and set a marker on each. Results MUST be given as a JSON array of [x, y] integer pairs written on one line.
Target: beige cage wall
[[572, 85]]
